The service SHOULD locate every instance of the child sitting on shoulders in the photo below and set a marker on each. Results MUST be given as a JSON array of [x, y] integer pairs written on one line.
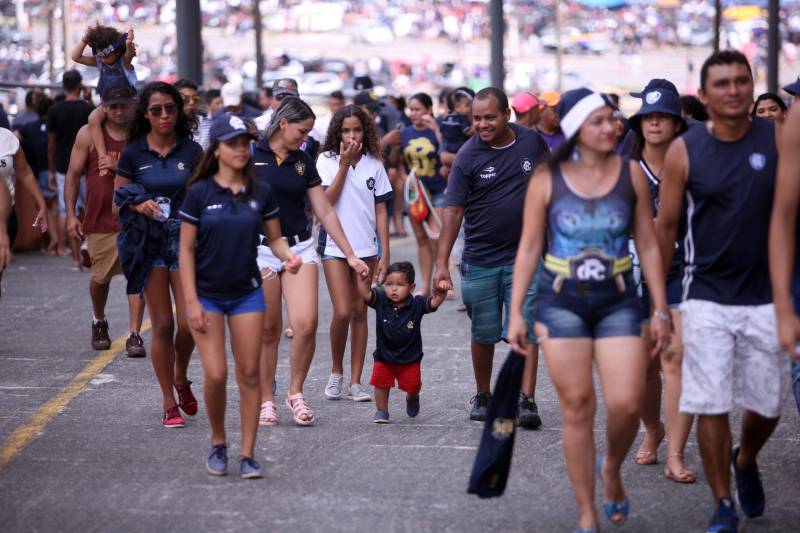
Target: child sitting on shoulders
[[112, 55], [398, 351], [456, 127]]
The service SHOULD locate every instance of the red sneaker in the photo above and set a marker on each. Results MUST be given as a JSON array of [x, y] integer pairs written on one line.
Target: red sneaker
[[186, 400], [172, 418]]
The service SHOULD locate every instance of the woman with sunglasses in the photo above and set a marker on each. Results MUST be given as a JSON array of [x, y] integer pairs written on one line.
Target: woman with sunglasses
[[159, 161], [292, 174]]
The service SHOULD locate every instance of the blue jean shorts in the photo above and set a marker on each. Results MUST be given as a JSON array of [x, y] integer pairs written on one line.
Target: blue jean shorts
[[249, 303], [486, 292], [44, 185], [674, 294], [168, 258], [591, 310], [439, 200]]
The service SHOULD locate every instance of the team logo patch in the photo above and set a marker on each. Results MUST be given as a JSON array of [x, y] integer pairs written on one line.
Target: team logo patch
[[300, 167], [410, 324], [253, 205], [502, 428], [652, 97], [371, 184], [527, 165], [757, 160], [181, 166]]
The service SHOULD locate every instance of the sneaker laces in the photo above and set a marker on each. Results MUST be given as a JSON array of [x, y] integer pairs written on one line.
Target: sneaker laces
[[526, 402], [481, 399], [335, 381]]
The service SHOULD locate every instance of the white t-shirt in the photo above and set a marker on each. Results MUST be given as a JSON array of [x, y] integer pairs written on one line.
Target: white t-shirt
[[9, 146], [365, 186], [262, 121]]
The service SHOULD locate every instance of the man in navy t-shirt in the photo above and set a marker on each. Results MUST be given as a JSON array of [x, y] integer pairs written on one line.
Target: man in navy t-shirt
[[725, 173], [486, 189]]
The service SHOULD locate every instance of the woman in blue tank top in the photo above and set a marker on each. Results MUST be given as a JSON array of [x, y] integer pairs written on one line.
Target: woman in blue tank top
[[656, 124], [588, 309]]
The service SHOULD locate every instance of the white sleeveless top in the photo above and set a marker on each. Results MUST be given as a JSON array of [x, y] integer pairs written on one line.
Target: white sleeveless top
[[9, 146]]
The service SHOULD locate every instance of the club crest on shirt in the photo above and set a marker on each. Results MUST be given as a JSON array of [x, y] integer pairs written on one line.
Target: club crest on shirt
[[410, 324], [181, 166], [371, 184], [757, 160], [300, 167], [253, 205], [527, 165]]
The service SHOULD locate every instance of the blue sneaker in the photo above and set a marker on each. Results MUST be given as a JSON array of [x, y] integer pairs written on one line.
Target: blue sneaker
[[217, 462], [724, 519], [749, 490], [381, 417], [249, 468], [412, 405]]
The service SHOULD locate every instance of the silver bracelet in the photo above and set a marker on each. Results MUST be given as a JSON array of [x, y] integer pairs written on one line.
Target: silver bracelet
[[662, 315]]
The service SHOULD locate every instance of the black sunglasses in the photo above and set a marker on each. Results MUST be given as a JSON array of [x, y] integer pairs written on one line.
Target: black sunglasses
[[169, 109]]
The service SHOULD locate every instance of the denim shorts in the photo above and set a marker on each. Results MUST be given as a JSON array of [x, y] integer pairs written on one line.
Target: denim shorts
[[486, 292], [249, 303], [168, 258], [44, 185], [439, 199], [593, 310], [674, 294]]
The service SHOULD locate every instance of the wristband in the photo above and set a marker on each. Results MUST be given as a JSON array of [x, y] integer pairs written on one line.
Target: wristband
[[662, 315]]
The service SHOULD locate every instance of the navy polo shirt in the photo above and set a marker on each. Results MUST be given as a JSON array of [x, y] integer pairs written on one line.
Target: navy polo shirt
[[399, 338], [161, 175], [228, 234], [490, 184], [289, 181]]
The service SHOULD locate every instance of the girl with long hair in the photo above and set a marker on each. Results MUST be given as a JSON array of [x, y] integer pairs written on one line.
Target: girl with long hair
[[159, 160], [223, 214], [281, 163], [657, 124], [420, 146], [357, 186], [587, 307]]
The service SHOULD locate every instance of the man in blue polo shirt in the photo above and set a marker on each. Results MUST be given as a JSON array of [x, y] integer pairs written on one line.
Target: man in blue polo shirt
[[487, 190]]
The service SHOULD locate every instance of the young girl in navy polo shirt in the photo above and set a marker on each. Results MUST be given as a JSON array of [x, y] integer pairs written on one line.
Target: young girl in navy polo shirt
[[225, 209], [356, 184]]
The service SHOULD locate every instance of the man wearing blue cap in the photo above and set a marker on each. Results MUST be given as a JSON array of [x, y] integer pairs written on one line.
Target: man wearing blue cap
[[99, 226], [726, 174]]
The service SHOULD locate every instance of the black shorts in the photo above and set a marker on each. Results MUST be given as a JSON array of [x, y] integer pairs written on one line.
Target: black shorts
[[11, 225]]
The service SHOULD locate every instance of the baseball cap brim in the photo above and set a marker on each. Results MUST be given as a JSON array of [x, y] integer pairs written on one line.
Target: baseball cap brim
[[238, 133], [793, 88]]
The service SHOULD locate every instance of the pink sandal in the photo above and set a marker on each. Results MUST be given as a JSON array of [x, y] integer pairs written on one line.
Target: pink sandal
[[300, 408], [268, 416]]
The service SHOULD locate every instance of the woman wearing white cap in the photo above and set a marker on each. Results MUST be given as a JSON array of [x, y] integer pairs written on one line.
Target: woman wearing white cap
[[588, 310]]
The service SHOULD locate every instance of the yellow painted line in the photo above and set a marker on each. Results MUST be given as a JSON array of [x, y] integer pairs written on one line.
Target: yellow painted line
[[33, 427]]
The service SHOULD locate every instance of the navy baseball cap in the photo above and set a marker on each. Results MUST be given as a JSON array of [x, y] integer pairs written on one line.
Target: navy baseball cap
[[118, 94], [367, 99], [793, 88], [657, 98], [284, 87], [226, 126], [656, 83]]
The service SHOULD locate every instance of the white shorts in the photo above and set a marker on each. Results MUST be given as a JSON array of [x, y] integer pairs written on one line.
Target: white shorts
[[731, 356], [304, 250]]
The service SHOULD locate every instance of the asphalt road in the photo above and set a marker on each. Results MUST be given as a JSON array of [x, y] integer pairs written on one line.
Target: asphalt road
[[103, 462]]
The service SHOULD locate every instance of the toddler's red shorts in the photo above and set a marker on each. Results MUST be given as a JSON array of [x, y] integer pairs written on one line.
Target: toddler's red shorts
[[408, 376]]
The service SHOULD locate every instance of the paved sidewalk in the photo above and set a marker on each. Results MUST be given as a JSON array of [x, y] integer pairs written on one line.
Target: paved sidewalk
[[105, 463]]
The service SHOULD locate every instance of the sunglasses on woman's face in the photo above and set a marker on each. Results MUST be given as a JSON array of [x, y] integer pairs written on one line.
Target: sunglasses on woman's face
[[168, 109]]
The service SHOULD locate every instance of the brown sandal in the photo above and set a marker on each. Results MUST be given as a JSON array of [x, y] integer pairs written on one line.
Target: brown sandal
[[648, 457]]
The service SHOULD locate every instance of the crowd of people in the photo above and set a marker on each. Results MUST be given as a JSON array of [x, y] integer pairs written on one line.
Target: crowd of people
[[663, 243]]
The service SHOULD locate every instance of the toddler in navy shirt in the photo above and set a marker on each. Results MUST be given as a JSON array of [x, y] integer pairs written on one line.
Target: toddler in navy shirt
[[398, 351]]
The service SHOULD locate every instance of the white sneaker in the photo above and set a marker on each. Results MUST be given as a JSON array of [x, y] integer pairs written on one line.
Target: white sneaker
[[333, 391], [357, 394]]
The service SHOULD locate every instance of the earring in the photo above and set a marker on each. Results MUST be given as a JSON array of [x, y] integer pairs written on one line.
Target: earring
[[576, 155]]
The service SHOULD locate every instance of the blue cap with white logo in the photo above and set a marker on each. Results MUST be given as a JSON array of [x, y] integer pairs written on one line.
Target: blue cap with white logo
[[793, 88], [226, 126], [659, 98]]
